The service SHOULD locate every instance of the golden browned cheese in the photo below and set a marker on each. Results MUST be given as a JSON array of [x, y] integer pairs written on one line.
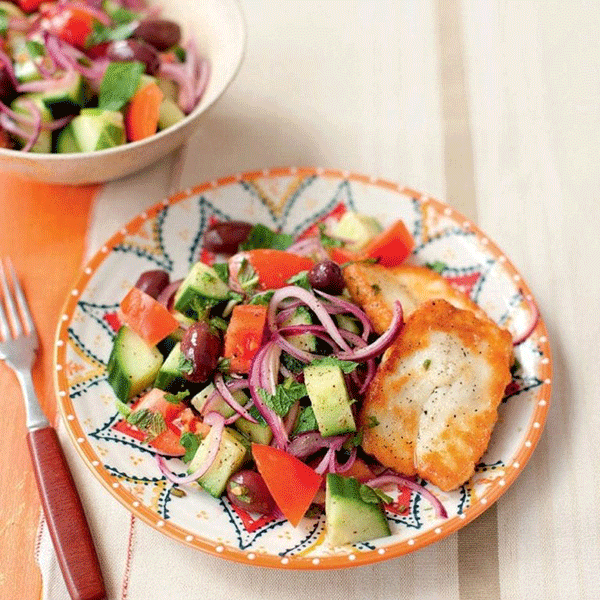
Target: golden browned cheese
[[432, 405], [375, 288]]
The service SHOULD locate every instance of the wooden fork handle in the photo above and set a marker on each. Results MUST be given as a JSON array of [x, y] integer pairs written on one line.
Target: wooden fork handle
[[65, 517]]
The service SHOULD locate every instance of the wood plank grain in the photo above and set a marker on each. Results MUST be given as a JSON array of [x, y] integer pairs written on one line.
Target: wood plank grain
[[43, 231]]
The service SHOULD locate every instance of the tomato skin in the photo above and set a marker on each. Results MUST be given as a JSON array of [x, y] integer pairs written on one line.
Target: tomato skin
[[292, 483], [29, 6], [391, 247], [341, 255], [147, 317], [275, 267], [70, 24], [244, 335], [142, 113], [168, 441]]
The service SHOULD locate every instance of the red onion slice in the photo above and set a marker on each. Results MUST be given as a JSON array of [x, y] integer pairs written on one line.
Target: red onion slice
[[313, 303], [381, 344], [217, 423], [280, 436], [8, 65], [352, 309], [228, 397], [383, 480], [534, 321], [46, 85], [37, 125], [167, 295], [203, 77]]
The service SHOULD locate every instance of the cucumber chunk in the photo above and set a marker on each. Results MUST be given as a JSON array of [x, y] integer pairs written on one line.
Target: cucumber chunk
[[232, 454], [96, 129], [169, 376], [303, 341], [133, 364], [329, 398], [19, 105], [348, 518], [66, 143], [201, 284]]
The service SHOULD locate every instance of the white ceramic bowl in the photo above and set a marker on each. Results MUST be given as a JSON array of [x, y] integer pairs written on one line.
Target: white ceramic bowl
[[219, 30]]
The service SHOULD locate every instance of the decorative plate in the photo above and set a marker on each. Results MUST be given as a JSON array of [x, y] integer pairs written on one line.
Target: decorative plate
[[168, 236]]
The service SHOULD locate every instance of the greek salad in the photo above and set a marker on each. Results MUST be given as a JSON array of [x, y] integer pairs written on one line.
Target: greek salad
[[87, 75], [245, 377]]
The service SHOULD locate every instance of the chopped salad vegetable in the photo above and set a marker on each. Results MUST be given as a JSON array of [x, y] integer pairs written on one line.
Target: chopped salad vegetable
[[80, 76], [283, 358]]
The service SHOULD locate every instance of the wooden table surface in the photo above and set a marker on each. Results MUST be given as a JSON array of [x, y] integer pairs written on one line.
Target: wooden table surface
[[43, 231]]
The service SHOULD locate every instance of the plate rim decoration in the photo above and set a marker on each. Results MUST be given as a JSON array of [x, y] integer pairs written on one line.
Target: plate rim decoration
[[531, 432]]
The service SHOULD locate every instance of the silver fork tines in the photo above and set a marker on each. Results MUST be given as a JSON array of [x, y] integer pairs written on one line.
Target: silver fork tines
[[18, 341]]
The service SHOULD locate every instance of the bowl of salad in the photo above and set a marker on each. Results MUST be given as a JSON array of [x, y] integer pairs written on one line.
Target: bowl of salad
[[303, 368], [91, 91]]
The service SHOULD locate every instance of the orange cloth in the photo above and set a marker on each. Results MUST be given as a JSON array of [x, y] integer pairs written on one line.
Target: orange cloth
[[42, 229]]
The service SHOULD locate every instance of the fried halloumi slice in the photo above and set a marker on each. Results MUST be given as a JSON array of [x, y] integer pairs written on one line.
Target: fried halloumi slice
[[432, 405], [375, 288]]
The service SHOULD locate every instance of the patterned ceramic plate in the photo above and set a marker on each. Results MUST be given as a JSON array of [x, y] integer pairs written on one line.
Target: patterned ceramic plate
[[168, 236]]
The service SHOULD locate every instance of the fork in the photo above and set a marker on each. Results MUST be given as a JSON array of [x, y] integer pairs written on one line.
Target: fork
[[61, 504]]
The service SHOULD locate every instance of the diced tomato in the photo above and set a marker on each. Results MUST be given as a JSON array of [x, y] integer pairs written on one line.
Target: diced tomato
[[29, 6], [147, 317], [292, 483], [275, 267], [71, 24], [98, 50], [360, 470], [142, 113], [190, 422], [391, 247], [244, 335], [341, 255], [168, 441]]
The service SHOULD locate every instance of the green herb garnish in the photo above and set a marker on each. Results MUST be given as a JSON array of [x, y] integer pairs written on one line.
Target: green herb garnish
[[177, 398], [306, 420], [262, 299], [224, 365], [326, 240], [190, 441], [152, 423], [261, 236], [185, 365], [101, 33], [426, 363], [222, 270], [373, 495], [35, 49], [247, 277], [291, 364], [286, 394], [438, 266], [119, 84], [301, 280], [347, 366]]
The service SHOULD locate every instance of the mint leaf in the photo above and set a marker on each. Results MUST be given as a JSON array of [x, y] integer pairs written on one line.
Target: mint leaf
[[35, 49], [101, 33], [177, 398], [185, 365], [326, 240], [247, 277], [347, 366], [218, 323], [119, 84], [222, 270], [292, 364], [190, 441], [123, 408], [300, 279], [438, 266], [180, 53], [150, 422], [262, 299], [224, 365], [4, 18], [256, 414], [306, 420], [285, 395], [426, 363], [373, 421], [373, 495], [261, 236], [122, 15]]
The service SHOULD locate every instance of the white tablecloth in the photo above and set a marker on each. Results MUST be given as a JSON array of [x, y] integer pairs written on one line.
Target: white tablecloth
[[492, 106]]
